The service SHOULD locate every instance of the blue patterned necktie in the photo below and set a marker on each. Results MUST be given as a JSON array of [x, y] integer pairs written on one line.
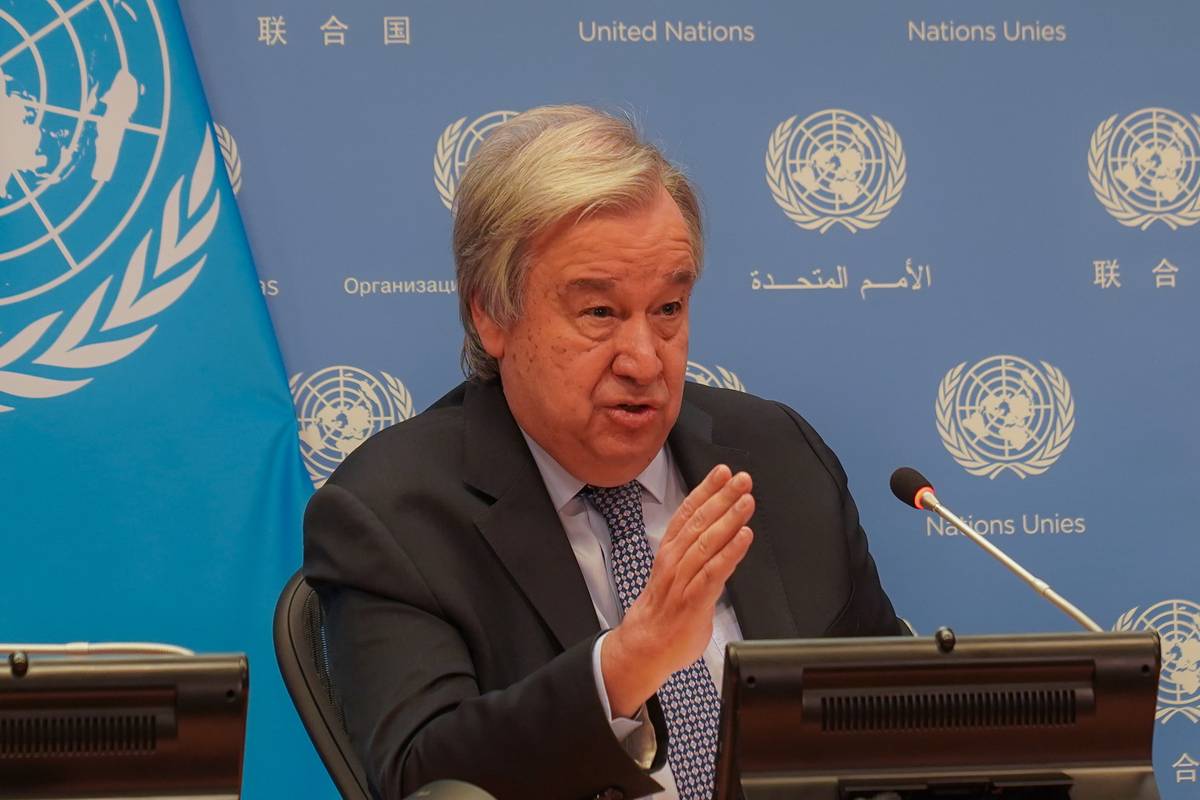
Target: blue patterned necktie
[[689, 698]]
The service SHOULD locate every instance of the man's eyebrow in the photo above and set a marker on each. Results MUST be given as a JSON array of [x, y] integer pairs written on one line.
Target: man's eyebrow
[[591, 284], [683, 276]]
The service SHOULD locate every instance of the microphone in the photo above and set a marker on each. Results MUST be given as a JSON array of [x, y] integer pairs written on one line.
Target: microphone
[[914, 489], [908, 485]]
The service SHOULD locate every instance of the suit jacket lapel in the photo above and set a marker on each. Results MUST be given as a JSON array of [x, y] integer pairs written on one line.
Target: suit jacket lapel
[[524, 530], [756, 586], [522, 526]]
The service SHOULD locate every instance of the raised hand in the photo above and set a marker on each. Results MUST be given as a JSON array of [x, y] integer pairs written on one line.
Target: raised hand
[[670, 623]]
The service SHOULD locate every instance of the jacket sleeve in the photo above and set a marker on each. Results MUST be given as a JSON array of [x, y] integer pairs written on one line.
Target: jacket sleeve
[[407, 683]]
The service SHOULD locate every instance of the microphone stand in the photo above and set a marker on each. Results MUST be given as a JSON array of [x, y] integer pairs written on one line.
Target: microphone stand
[[928, 499]]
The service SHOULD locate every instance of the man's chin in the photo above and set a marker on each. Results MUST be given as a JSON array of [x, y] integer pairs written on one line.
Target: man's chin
[[619, 461]]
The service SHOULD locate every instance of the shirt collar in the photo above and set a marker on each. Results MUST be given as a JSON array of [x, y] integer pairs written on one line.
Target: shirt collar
[[563, 486]]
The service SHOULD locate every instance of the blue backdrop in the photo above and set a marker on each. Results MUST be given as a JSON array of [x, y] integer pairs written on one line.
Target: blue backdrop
[[961, 236]]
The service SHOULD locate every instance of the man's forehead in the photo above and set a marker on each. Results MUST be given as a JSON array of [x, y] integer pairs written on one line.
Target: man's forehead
[[678, 276]]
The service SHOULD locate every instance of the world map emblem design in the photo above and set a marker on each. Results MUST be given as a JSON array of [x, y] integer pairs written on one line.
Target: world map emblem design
[[1145, 168], [456, 145], [1005, 413], [338, 408], [84, 103], [1178, 626], [834, 167], [85, 100], [721, 377]]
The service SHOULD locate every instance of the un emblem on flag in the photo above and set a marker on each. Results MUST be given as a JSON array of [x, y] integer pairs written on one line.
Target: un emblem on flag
[[1146, 168], [1005, 413], [455, 147], [835, 167], [338, 408], [230, 155], [74, 163], [1178, 626], [85, 98]]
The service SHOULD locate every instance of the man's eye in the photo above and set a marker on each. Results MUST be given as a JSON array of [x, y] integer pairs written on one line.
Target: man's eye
[[671, 309], [599, 312]]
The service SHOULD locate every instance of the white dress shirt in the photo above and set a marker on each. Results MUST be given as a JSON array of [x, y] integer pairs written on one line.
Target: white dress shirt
[[663, 491]]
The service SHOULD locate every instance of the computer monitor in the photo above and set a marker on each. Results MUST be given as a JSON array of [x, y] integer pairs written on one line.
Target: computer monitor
[[1046, 716], [122, 726]]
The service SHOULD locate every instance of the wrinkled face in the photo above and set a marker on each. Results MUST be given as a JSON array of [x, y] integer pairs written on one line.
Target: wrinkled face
[[593, 370]]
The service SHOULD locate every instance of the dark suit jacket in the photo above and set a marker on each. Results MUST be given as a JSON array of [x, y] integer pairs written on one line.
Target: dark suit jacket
[[460, 628]]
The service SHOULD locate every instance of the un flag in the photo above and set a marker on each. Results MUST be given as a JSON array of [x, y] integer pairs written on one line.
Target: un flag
[[151, 480]]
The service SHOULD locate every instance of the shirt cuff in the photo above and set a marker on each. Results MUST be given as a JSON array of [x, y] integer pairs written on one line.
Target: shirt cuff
[[621, 726]]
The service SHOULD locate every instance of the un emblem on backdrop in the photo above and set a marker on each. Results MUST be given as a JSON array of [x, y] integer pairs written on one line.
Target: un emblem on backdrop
[[455, 147], [337, 408], [1146, 168], [722, 378], [1005, 413], [85, 99], [836, 167], [1178, 626]]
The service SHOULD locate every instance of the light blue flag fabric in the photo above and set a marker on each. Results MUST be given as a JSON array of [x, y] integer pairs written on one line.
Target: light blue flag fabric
[[151, 484]]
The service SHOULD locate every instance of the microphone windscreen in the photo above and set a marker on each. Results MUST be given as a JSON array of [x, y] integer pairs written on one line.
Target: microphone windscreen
[[906, 483]]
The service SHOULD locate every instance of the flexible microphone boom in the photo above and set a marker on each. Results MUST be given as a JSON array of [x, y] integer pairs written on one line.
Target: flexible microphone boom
[[913, 489]]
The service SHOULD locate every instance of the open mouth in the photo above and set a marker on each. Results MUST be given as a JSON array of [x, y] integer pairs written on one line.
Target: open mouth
[[635, 408], [633, 416]]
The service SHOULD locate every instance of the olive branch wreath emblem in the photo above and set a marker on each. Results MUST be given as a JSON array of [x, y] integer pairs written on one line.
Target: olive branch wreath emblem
[[139, 297], [395, 389], [399, 394], [809, 218], [1114, 201], [957, 445], [443, 162], [1127, 622], [230, 155], [722, 378], [444, 177]]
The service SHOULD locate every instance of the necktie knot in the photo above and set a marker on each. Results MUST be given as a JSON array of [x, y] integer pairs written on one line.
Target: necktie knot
[[621, 507]]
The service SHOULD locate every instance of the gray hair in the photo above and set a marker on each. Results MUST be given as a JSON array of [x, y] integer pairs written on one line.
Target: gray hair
[[531, 172]]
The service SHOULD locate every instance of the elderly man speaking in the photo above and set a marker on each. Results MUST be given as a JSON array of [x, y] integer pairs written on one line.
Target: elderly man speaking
[[530, 585]]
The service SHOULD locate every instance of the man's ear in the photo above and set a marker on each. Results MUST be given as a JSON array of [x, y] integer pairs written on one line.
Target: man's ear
[[491, 334]]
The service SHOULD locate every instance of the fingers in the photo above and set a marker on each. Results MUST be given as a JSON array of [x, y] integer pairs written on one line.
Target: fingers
[[704, 504], [716, 478], [708, 582], [713, 526], [705, 540], [702, 507]]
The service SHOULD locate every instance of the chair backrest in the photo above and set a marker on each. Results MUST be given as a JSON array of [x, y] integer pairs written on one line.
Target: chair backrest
[[304, 661]]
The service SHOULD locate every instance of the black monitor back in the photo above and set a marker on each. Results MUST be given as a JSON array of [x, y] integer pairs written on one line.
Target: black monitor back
[[100, 726], [1050, 717]]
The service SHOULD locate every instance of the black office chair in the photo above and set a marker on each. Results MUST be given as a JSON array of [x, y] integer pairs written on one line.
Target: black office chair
[[303, 660]]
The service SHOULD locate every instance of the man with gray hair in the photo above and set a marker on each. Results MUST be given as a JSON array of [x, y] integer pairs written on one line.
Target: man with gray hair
[[530, 585]]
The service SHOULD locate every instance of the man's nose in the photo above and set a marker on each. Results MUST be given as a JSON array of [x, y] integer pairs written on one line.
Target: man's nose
[[637, 355]]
